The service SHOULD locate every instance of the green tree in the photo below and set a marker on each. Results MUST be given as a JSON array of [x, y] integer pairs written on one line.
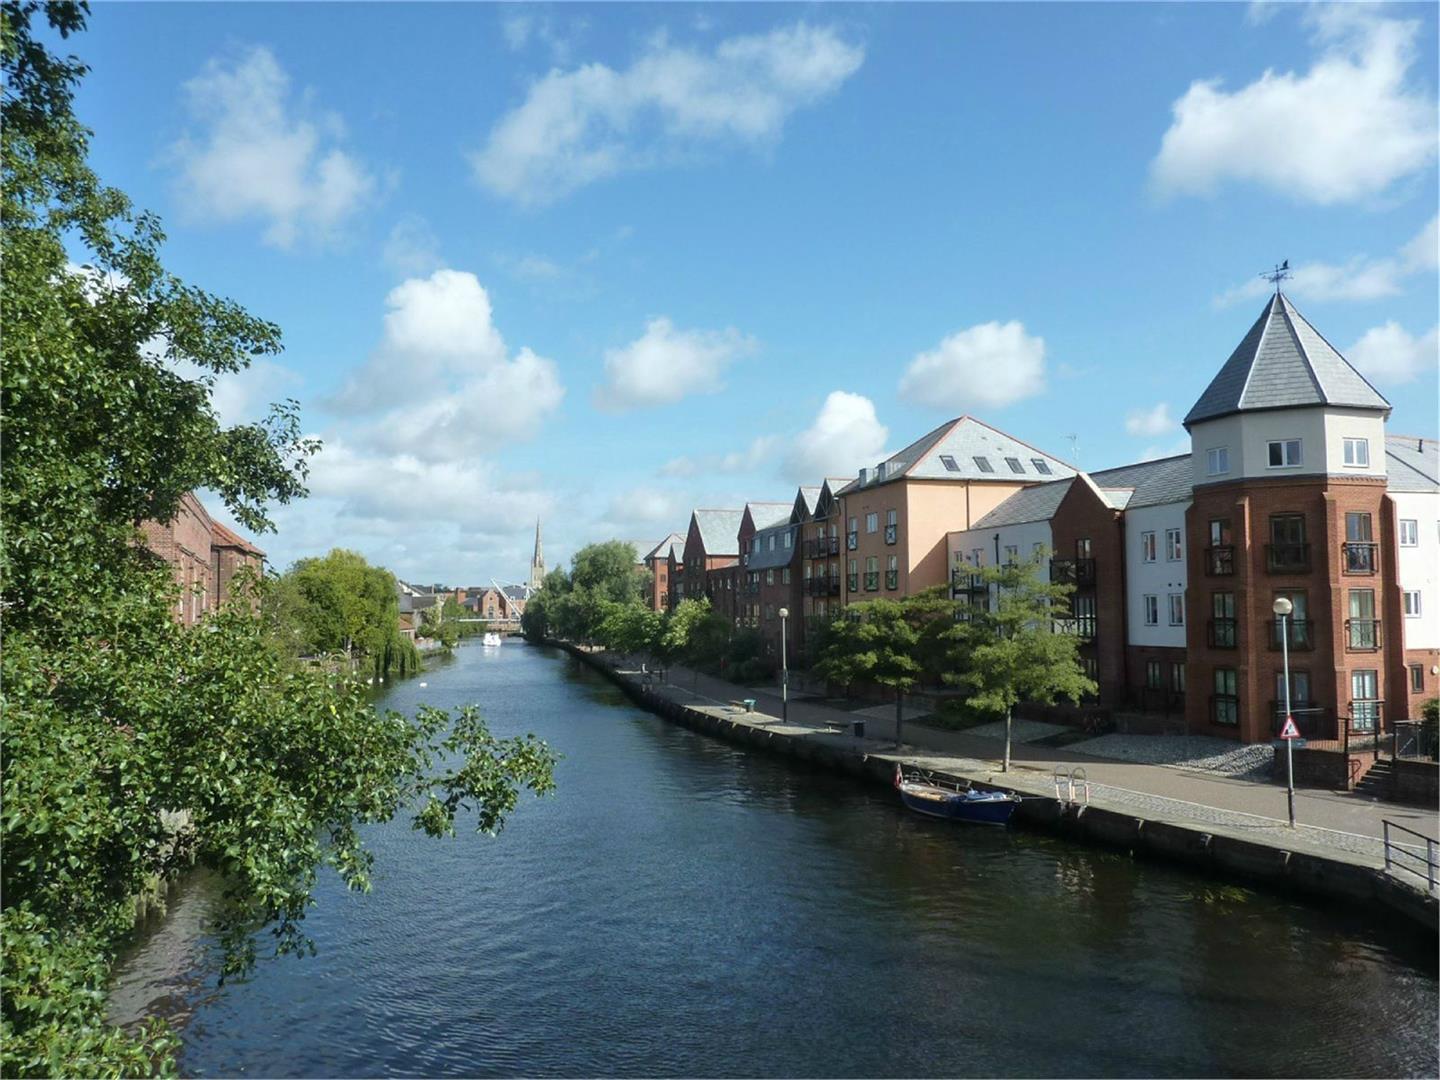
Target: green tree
[[874, 642], [133, 746], [691, 632], [630, 628], [1009, 650]]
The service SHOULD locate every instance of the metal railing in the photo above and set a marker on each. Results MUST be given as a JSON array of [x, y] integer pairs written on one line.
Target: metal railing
[[1360, 558], [1299, 632], [1313, 720], [852, 540], [872, 580], [892, 579], [1414, 739], [1220, 560], [1223, 633], [1080, 626], [1073, 571], [1362, 635], [890, 531], [1287, 558], [1068, 781], [1398, 855], [962, 581]]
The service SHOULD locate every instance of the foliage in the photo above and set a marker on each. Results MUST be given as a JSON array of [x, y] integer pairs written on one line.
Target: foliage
[[573, 605], [630, 628], [1430, 711], [133, 746], [876, 642], [452, 613]]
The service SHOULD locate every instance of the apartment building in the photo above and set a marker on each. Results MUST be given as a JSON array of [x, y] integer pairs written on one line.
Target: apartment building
[[658, 561], [203, 555], [711, 560], [898, 515], [818, 514]]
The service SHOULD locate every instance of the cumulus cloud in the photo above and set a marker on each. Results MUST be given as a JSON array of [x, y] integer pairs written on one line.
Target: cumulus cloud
[[253, 153], [665, 364], [761, 449], [1153, 421], [846, 434], [1359, 278], [1388, 353], [583, 125], [987, 366], [1345, 130]]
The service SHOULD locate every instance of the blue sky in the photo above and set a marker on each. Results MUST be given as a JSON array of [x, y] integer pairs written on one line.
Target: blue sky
[[601, 264]]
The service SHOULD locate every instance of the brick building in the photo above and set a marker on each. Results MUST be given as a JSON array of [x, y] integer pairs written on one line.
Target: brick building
[[711, 560], [203, 555], [658, 561]]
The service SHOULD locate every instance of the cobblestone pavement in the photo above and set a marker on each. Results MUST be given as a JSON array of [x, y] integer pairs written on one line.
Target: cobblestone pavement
[[1222, 756]]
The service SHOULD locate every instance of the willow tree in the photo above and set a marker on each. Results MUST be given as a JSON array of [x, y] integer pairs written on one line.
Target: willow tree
[[114, 716]]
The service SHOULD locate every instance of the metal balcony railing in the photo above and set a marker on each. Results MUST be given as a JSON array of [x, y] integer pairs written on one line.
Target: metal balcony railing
[[1365, 715], [1220, 560], [1287, 558], [1300, 632], [852, 540], [810, 549], [962, 582], [1080, 626], [1362, 635], [1223, 633], [832, 545], [872, 581], [890, 531], [1073, 571], [1360, 558], [892, 579]]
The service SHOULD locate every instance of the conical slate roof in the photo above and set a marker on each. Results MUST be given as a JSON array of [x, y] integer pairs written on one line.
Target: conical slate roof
[[1283, 362]]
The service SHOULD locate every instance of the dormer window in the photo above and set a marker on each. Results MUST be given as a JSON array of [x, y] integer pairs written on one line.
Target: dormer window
[[1284, 453], [1357, 453], [1217, 461]]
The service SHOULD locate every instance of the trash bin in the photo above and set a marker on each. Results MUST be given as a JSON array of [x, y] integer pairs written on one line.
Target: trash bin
[[749, 704], [857, 728]]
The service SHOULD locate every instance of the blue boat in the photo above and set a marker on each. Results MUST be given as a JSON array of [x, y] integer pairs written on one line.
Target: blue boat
[[954, 800]]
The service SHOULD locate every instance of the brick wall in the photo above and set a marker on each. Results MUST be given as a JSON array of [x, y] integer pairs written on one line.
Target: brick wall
[[1082, 514]]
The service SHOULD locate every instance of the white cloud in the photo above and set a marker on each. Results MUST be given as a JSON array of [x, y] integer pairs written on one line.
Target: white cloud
[[1389, 354], [1358, 278], [593, 122], [1154, 452], [987, 366], [1153, 421], [412, 249], [536, 268], [664, 365], [1345, 130], [257, 156], [761, 449], [520, 28], [845, 435]]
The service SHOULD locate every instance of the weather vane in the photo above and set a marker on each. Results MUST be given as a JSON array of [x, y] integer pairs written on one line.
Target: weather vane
[[1277, 275]]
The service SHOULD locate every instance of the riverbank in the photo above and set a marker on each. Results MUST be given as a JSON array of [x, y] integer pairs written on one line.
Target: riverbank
[[1231, 846]]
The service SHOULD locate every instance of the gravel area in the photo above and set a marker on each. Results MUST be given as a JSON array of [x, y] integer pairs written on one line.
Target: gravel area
[[1021, 731], [1219, 756]]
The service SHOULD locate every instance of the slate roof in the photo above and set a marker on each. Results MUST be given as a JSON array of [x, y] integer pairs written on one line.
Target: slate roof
[[1037, 503], [962, 441], [223, 537], [1413, 463], [1165, 480], [765, 514], [806, 499], [515, 592], [672, 543], [719, 530], [765, 559], [1283, 362]]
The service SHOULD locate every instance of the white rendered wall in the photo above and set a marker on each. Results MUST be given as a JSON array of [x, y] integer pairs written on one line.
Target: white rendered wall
[[1160, 578], [1420, 566], [1024, 536], [1322, 432]]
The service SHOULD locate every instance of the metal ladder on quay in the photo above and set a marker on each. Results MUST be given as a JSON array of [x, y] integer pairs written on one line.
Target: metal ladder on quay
[[1067, 782]]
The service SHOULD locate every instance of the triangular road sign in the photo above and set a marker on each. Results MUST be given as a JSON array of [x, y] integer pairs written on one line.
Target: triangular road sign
[[1289, 731]]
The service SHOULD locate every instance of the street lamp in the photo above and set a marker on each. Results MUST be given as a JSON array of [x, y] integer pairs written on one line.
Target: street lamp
[[1282, 608], [784, 669]]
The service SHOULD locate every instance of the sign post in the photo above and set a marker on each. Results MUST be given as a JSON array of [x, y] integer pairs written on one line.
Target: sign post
[[1289, 732]]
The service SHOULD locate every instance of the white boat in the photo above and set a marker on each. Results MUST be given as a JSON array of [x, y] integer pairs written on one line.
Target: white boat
[[491, 640]]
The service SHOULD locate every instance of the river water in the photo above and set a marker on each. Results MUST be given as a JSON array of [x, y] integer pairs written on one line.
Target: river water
[[682, 908]]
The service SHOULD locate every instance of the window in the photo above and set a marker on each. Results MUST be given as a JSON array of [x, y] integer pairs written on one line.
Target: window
[[1153, 677], [1417, 678], [1037, 551], [852, 535], [1173, 549], [1284, 453], [1363, 628], [1147, 547], [1357, 453], [1357, 528], [892, 519], [1012, 554], [1014, 463], [983, 464], [771, 545], [1226, 705], [1412, 603], [1177, 676], [769, 577], [1041, 466], [1409, 533], [1217, 461], [1177, 609], [1364, 700], [789, 540], [1222, 626], [852, 579], [977, 557], [949, 463], [872, 573], [872, 522], [892, 572], [785, 576], [1152, 610]]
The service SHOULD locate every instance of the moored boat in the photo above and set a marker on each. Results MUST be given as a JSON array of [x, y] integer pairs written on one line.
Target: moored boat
[[491, 640], [954, 800]]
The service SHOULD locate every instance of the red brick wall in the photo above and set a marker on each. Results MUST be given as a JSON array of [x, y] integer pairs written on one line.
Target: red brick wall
[[1081, 514], [184, 543]]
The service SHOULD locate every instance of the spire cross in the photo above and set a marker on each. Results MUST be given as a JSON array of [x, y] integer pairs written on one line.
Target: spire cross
[[1277, 275]]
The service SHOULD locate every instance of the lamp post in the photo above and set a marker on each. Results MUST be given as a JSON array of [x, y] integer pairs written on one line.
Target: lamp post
[[784, 669], [1282, 608]]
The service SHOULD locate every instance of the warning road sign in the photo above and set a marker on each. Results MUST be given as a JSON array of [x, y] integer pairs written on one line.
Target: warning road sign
[[1289, 731]]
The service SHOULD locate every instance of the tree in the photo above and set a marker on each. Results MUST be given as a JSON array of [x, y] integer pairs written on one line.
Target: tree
[[114, 716], [1009, 649], [630, 628], [877, 642]]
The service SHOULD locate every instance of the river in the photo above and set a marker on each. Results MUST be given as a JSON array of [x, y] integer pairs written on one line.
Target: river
[[682, 907]]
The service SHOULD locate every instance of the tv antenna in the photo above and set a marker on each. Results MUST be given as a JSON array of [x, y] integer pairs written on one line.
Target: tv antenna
[[1074, 447], [1278, 274]]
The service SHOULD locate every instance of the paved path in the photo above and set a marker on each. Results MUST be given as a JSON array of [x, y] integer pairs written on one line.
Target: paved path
[[1331, 819]]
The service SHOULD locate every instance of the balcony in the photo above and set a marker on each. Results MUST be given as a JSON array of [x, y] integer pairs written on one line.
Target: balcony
[[872, 581], [1225, 709], [832, 585], [752, 588], [852, 541], [832, 545], [1362, 635], [890, 531], [1223, 633], [1365, 715], [963, 583], [1080, 626], [1313, 721], [823, 585], [1299, 632], [1220, 560], [810, 549], [892, 579], [1073, 571], [1360, 558], [1287, 558]]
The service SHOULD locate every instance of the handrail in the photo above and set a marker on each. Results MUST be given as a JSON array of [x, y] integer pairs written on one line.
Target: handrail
[[1070, 779], [1394, 850]]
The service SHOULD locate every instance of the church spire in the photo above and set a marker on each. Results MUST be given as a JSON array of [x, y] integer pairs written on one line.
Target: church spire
[[537, 561]]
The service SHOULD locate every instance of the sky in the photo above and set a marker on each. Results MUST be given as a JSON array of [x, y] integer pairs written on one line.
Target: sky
[[599, 265]]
